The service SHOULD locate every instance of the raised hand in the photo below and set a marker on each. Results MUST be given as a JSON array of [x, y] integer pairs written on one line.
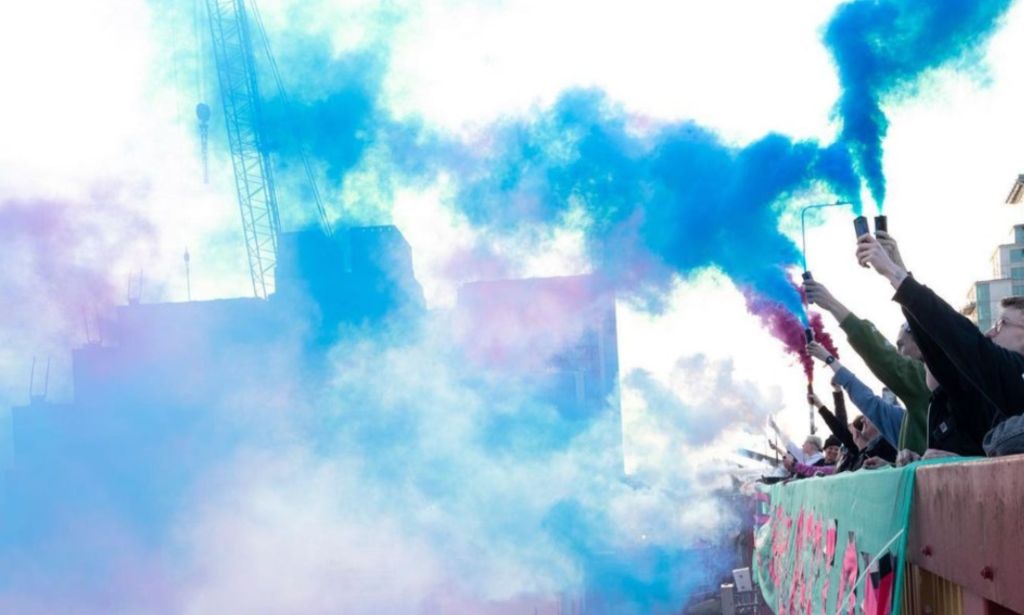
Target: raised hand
[[891, 248], [870, 252], [819, 295], [906, 457], [788, 462], [873, 463], [818, 351]]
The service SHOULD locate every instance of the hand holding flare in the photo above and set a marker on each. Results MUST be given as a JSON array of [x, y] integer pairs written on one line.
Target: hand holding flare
[[871, 252]]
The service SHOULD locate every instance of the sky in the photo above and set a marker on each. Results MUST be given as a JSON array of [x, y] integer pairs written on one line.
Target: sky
[[510, 139]]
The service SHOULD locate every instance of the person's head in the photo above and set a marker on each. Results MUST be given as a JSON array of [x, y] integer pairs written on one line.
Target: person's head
[[869, 432], [811, 445], [857, 431], [831, 450], [907, 345], [1008, 331]]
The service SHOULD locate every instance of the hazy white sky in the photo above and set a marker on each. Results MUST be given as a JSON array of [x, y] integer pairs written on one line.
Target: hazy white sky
[[90, 104], [743, 68]]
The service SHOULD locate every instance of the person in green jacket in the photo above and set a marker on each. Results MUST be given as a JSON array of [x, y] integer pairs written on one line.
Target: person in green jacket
[[900, 368]]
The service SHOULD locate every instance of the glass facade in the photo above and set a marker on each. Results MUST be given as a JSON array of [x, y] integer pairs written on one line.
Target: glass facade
[[985, 319], [1008, 280], [984, 305]]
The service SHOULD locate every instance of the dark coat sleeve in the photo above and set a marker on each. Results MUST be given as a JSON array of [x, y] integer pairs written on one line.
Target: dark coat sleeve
[[839, 401], [996, 373], [838, 429], [942, 369]]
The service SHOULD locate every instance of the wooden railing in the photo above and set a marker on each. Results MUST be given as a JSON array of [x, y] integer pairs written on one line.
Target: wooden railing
[[966, 547]]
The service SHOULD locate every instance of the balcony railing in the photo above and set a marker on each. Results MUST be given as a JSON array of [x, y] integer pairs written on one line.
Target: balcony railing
[[935, 537]]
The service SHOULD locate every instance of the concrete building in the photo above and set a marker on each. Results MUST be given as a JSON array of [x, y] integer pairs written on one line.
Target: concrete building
[[1007, 272], [1007, 280], [144, 389]]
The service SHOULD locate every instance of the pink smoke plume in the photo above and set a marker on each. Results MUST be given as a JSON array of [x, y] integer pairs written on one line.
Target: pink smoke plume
[[818, 326], [821, 335], [60, 258], [789, 329]]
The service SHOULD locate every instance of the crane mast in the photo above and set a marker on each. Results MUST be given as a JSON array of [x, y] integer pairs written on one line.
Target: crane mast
[[254, 182]]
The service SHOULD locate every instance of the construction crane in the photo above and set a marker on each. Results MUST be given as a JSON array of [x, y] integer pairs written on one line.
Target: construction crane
[[231, 35]]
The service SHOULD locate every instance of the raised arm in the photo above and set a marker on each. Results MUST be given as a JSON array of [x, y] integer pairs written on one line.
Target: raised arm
[[818, 294], [886, 416], [942, 369], [994, 371], [839, 401], [839, 429], [905, 376], [997, 373]]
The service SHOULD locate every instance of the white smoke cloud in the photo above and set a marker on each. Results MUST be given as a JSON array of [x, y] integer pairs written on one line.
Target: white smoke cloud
[[394, 499]]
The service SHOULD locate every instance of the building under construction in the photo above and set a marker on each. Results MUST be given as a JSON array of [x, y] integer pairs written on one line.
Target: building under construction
[[143, 390]]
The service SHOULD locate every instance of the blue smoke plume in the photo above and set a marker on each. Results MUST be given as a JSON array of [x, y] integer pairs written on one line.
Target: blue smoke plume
[[333, 117], [881, 47], [375, 459], [654, 206]]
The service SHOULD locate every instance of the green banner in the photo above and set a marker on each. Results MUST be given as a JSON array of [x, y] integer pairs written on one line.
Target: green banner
[[835, 544]]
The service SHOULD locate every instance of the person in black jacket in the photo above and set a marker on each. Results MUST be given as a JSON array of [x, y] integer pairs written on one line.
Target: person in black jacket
[[954, 424], [875, 451], [836, 423], [981, 376], [863, 444]]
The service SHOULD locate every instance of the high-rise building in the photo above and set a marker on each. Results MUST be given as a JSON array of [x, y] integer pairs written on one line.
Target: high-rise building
[[1007, 272], [1007, 280]]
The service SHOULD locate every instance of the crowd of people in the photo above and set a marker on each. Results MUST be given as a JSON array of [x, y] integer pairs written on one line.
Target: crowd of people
[[949, 388]]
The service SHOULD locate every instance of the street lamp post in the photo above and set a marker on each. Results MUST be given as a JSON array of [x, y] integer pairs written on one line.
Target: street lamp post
[[808, 332], [803, 229]]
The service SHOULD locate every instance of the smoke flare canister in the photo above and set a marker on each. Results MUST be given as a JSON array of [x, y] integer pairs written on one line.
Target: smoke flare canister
[[810, 406], [808, 332], [881, 224], [860, 225]]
